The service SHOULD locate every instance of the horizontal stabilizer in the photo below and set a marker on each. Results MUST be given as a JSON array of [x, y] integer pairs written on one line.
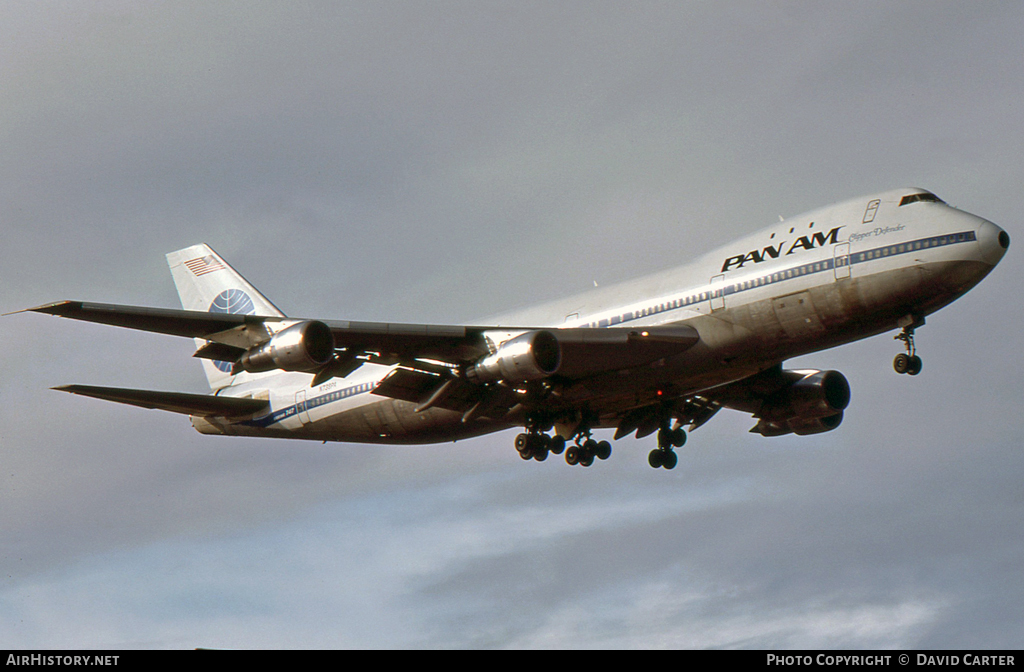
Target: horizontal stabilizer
[[176, 402]]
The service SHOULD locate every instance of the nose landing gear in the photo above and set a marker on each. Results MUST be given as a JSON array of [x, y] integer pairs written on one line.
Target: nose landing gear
[[908, 362]]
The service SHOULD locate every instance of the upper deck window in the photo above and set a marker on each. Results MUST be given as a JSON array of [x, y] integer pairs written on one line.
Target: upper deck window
[[923, 196]]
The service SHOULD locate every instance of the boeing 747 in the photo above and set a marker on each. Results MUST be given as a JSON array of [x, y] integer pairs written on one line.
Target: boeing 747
[[661, 354]]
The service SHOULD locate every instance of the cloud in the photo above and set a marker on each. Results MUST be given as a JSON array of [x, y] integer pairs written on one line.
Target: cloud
[[442, 162]]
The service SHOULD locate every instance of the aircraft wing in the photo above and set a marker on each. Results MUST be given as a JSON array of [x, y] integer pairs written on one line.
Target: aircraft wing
[[176, 402], [584, 351]]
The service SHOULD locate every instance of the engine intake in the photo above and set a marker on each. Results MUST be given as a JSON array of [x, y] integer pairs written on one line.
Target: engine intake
[[811, 405], [529, 356], [306, 347]]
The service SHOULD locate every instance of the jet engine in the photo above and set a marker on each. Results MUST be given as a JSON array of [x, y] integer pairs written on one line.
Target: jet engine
[[529, 356], [306, 346], [811, 405]]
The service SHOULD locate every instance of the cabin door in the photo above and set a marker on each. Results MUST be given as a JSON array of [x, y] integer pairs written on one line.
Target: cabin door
[[301, 407], [841, 261], [717, 293]]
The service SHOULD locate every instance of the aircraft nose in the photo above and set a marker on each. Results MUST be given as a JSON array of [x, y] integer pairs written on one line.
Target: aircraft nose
[[993, 241]]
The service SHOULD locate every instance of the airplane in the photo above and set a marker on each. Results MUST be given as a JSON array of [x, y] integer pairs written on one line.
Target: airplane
[[662, 353]]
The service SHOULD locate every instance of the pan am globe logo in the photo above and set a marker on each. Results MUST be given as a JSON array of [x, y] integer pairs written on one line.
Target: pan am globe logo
[[236, 302]]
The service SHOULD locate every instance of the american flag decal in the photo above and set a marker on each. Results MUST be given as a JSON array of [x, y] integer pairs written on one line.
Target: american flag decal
[[204, 265]]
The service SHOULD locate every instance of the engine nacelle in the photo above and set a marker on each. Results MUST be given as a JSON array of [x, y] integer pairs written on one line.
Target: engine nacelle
[[811, 405], [799, 426], [306, 347], [529, 356]]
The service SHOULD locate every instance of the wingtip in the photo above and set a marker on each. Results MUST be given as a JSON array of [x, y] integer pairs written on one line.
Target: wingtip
[[51, 308]]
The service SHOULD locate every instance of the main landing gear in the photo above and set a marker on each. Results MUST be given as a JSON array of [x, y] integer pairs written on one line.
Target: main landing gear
[[585, 449], [536, 446], [908, 362], [663, 455]]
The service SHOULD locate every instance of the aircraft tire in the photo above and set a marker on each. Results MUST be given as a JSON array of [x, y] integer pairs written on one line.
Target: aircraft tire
[[603, 450], [901, 364], [557, 445], [572, 455], [915, 365], [654, 458]]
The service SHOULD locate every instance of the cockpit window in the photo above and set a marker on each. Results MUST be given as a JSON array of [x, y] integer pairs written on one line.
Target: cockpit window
[[923, 196]]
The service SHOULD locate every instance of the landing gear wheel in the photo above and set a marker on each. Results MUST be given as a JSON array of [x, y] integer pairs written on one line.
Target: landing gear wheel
[[678, 437], [525, 444], [603, 450], [587, 452], [663, 457], [540, 450], [557, 445], [572, 455], [909, 362]]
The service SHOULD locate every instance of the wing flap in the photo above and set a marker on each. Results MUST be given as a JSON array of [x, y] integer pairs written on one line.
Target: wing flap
[[588, 352], [429, 390], [447, 343], [408, 385], [175, 402]]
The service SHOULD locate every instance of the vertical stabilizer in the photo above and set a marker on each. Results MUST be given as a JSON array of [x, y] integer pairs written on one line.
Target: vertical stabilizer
[[207, 283]]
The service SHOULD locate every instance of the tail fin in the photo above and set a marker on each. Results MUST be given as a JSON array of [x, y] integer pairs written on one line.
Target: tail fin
[[206, 282]]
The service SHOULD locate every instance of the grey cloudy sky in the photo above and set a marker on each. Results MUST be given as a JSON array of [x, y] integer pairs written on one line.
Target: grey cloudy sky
[[439, 161]]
